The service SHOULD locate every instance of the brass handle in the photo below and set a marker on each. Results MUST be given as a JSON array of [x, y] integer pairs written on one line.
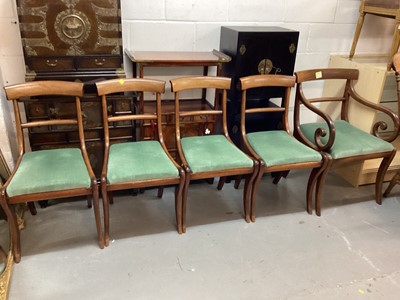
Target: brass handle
[[52, 64], [265, 66], [99, 62]]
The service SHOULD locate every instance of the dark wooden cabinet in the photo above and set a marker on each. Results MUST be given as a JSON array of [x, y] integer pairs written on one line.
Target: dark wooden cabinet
[[78, 40], [256, 50]]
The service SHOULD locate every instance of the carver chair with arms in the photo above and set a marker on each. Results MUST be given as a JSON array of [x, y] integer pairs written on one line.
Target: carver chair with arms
[[53, 173], [278, 151], [341, 140], [396, 66], [210, 155], [137, 164]]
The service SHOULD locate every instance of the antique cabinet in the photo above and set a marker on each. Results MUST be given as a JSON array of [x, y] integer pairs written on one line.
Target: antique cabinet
[[256, 50], [76, 40]]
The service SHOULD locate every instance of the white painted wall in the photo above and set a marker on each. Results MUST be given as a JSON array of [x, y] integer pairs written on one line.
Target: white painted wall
[[326, 27]]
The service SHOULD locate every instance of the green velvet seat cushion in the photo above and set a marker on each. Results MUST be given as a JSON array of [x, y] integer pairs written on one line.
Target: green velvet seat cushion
[[277, 147], [137, 161], [349, 140], [213, 153], [50, 170]]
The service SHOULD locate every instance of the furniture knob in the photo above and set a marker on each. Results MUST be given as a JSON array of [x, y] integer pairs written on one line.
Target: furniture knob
[[51, 63], [99, 63]]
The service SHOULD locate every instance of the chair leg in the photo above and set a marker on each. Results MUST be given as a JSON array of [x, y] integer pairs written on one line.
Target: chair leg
[[320, 183], [278, 175], [15, 234], [237, 181], [357, 34], [32, 208], [160, 191], [248, 191], [253, 197], [395, 180], [89, 201], [184, 198], [178, 201], [381, 175], [96, 210], [246, 198], [106, 212], [312, 180], [221, 183], [110, 197]]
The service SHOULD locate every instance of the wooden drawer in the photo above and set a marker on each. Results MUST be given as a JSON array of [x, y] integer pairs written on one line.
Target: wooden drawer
[[99, 62], [48, 138], [124, 133], [51, 64]]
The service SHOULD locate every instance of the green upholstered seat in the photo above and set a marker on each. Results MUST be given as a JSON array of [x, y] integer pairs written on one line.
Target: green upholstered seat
[[49, 170], [139, 161], [349, 140], [278, 148], [213, 153]]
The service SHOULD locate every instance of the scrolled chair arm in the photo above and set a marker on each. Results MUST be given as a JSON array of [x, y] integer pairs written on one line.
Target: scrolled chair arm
[[318, 144], [378, 129]]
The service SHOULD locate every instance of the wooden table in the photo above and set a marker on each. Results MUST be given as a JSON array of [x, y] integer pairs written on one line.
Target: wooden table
[[144, 59]]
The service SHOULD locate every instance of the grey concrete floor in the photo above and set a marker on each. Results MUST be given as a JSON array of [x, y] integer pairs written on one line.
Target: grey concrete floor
[[351, 252]]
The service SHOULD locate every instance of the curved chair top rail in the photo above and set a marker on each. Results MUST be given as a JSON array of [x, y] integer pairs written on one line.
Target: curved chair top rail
[[200, 82], [255, 81], [323, 74], [131, 84], [44, 88]]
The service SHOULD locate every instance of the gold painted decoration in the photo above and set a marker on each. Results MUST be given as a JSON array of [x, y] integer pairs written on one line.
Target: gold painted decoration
[[72, 26]]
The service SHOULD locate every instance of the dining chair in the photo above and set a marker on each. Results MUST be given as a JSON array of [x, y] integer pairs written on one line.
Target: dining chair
[[136, 164], [342, 141], [50, 173], [278, 151], [382, 8], [396, 66], [207, 155]]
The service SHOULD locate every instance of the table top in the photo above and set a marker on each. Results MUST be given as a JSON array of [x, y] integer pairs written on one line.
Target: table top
[[177, 57]]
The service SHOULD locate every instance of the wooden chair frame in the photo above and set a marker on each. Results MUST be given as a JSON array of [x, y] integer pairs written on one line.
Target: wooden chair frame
[[319, 169], [393, 13], [396, 66], [46, 88], [157, 87], [349, 94], [221, 85]]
